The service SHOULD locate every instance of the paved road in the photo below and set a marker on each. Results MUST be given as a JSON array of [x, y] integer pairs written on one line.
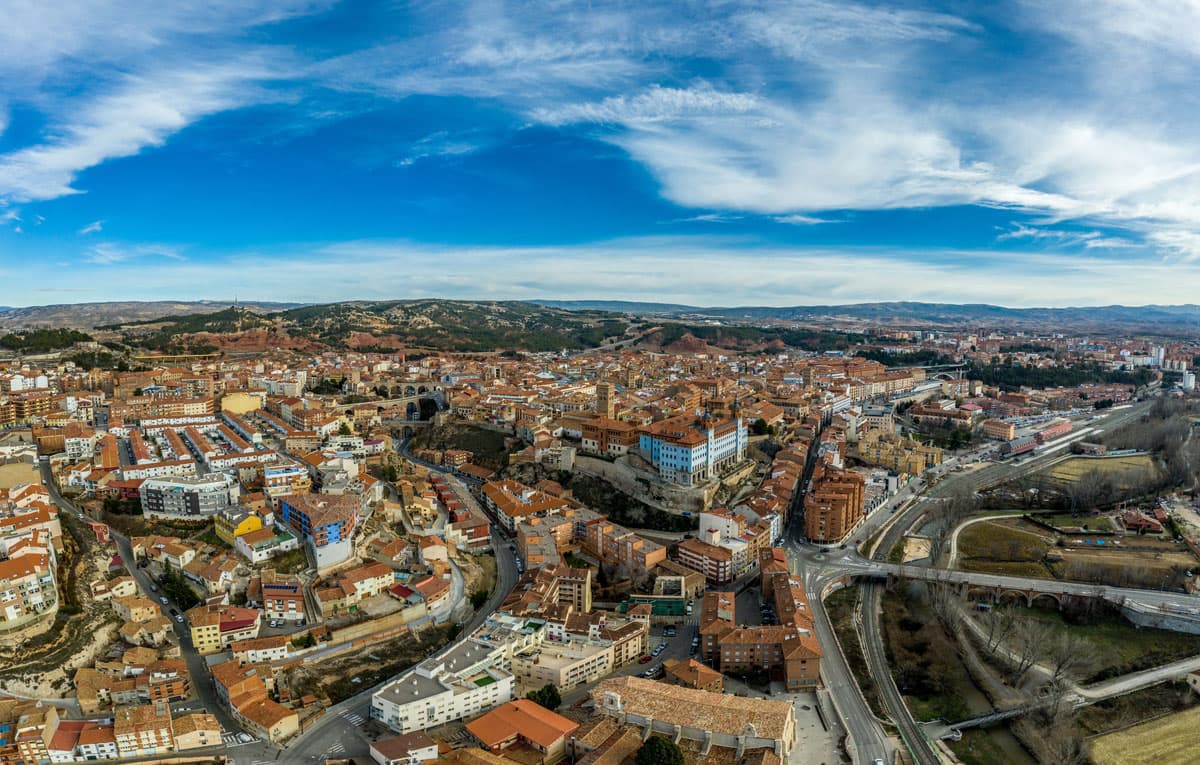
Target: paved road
[[876, 655], [202, 682]]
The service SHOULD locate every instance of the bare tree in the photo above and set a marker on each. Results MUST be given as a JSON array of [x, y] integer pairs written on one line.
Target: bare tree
[[1028, 647], [947, 600], [1068, 656], [998, 626]]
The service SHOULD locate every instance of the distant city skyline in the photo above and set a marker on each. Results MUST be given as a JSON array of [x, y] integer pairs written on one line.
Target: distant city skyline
[[1027, 153]]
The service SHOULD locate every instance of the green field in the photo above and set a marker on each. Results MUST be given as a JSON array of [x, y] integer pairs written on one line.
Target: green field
[[1098, 523]]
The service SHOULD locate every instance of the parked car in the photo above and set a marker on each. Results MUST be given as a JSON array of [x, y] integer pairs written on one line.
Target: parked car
[[179, 618], [174, 612], [163, 600], [645, 659]]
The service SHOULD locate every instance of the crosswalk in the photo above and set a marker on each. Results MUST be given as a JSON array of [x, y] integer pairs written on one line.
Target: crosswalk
[[336, 749], [353, 718]]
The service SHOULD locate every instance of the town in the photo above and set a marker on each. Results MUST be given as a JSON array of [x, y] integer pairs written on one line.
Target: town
[[531, 556]]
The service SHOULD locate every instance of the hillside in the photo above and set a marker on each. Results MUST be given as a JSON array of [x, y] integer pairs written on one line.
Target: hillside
[[380, 326], [92, 315]]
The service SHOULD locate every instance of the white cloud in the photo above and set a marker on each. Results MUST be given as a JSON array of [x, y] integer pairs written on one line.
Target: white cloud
[[91, 228], [111, 253], [142, 112], [698, 270], [802, 220], [657, 104]]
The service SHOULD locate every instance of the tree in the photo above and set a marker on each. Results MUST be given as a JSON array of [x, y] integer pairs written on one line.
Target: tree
[[659, 750], [344, 430], [998, 624], [478, 598], [760, 427], [547, 696]]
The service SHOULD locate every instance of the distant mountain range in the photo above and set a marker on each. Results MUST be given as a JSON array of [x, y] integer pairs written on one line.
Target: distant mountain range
[[907, 313], [549, 324], [90, 315]]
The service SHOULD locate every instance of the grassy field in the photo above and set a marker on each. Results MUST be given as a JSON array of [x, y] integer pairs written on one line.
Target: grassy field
[[1003, 541], [1070, 470], [1169, 740], [1016, 547], [1088, 522], [1119, 646]]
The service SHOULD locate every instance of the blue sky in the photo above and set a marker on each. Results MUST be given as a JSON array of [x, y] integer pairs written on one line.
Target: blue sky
[[777, 153]]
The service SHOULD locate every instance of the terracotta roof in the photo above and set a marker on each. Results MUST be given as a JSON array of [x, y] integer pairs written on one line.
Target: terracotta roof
[[522, 718]]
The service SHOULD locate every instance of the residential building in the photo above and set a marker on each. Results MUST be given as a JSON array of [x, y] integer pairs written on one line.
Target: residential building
[[233, 521], [188, 497], [196, 730], [833, 506], [512, 502], [325, 522], [143, 730], [608, 437], [408, 749], [715, 562]]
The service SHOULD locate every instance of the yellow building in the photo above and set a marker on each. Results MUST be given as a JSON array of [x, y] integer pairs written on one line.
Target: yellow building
[[240, 402], [206, 630], [234, 521], [901, 454]]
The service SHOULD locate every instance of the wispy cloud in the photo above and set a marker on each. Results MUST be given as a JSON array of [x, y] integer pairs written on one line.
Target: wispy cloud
[[91, 228], [111, 253]]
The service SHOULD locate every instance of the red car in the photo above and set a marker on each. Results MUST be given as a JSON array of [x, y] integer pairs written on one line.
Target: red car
[[645, 660]]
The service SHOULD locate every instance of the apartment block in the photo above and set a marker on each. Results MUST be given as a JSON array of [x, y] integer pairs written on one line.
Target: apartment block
[[189, 497], [326, 522], [833, 506]]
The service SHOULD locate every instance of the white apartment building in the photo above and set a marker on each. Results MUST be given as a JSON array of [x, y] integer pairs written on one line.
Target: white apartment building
[[473, 677]]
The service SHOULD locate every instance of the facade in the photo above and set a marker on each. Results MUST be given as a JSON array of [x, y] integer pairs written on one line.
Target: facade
[[462, 683], [833, 506], [326, 522], [716, 563], [143, 730], [188, 497], [233, 521], [690, 450], [999, 430], [608, 437]]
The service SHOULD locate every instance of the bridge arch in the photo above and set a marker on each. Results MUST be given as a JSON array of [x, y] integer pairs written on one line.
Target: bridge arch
[[1045, 598]]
